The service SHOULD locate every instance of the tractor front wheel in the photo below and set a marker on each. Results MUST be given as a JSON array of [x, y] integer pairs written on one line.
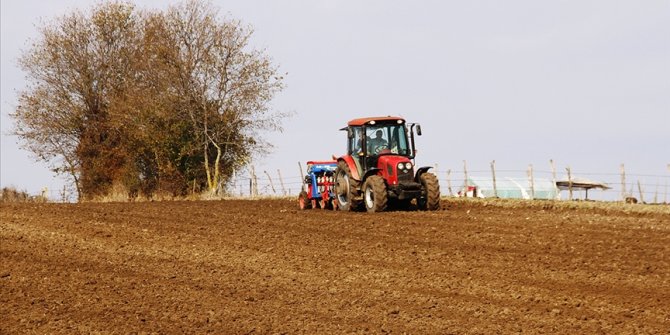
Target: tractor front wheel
[[430, 192], [374, 194], [345, 188]]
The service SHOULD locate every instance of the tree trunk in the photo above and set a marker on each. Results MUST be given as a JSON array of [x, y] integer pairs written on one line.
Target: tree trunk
[[217, 170], [208, 170]]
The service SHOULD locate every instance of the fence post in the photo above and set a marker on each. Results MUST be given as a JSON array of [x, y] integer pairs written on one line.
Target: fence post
[[493, 172], [465, 173], [623, 183], [553, 177], [531, 180], [254, 183], [569, 183], [639, 188], [281, 181], [449, 182], [272, 186]]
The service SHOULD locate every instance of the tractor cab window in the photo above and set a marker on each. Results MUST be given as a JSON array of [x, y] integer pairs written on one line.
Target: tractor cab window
[[356, 141], [387, 139], [399, 143]]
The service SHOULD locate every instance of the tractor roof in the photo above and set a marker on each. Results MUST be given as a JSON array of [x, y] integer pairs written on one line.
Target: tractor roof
[[365, 120]]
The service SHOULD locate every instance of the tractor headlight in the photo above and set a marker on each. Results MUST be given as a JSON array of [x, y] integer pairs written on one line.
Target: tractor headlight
[[408, 165], [401, 166]]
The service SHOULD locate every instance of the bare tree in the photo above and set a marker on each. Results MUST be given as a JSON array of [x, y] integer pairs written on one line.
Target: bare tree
[[224, 88], [75, 71], [146, 100]]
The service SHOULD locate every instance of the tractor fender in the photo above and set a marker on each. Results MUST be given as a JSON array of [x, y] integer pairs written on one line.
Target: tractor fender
[[421, 171], [371, 172], [352, 166]]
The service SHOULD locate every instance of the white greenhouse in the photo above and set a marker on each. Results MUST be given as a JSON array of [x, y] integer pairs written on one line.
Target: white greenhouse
[[512, 188]]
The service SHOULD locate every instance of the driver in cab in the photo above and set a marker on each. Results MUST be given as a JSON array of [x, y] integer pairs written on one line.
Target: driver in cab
[[377, 143]]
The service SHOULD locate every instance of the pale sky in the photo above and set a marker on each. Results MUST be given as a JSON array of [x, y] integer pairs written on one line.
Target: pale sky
[[585, 83]]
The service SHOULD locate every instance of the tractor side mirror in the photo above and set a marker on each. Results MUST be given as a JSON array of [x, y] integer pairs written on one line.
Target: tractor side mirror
[[418, 129]]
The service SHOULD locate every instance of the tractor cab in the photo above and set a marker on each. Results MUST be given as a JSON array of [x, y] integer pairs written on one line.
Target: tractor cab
[[371, 138]]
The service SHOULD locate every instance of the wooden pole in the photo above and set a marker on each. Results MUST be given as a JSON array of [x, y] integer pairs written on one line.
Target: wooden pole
[[465, 173], [553, 177], [639, 188], [451, 193], [281, 181], [569, 183], [493, 173], [272, 186], [255, 182], [623, 183], [531, 180], [232, 187]]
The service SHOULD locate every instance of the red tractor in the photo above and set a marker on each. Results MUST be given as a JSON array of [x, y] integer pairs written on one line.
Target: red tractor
[[378, 170]]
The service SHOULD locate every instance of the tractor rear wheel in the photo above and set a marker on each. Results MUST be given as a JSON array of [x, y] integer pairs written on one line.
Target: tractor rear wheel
[[430, 192], [345, 188], [303, 201], [374, 194]]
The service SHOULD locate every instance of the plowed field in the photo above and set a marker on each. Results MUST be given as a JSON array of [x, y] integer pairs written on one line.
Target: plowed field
[[263, 267]]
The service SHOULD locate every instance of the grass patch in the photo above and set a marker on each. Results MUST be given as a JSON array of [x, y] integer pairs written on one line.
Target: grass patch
[[12, 195]]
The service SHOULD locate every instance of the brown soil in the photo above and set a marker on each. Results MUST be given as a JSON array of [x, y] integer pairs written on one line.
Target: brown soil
[[240, 267]]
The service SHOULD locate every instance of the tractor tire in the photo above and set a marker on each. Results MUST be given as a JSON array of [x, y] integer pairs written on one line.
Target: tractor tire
[[303, 201], [430, 192], [374, 194], [346, 188]]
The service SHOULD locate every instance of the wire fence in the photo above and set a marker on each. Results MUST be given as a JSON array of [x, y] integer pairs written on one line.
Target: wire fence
[[647, 188]]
